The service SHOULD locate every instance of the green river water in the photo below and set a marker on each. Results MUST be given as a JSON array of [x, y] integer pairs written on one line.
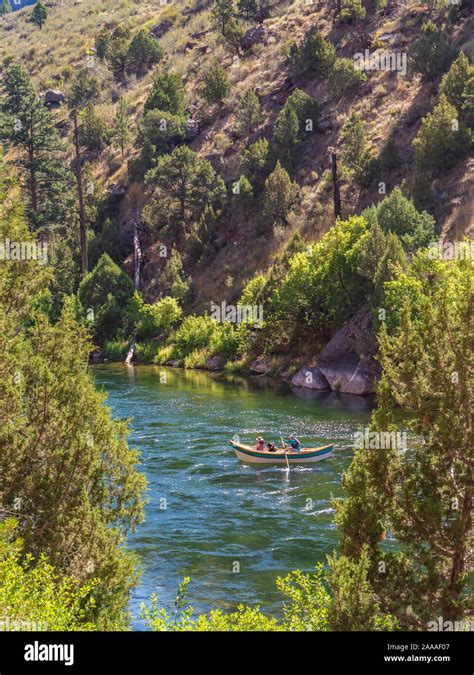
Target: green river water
[[231, 527]]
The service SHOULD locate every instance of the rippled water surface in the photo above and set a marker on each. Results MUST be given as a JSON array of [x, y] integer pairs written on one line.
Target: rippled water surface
[[208, 514]]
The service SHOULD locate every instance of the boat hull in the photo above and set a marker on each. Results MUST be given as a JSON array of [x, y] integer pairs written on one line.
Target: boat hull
[[305, 456]]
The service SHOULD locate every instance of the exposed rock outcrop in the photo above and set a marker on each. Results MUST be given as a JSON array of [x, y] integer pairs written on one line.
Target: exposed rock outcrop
[[345, 364], [310, 378], [260, 366], [215, 363]]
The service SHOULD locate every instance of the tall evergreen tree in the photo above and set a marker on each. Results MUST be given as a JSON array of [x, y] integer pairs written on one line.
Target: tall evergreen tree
[[29, 127], [423, 497], [39, 14]]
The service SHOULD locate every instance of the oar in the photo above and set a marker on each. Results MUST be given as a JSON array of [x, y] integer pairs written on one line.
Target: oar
[[284, 450]]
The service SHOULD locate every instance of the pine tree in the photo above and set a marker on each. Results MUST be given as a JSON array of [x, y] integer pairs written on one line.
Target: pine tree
[[29, 127], [83, 89], [143, 53], [39, 14], [431, 54], [121, 132], [92, 129], [118, 57], [221, 13], [279, 195], [422, 496], [357, 155], [454, 83], [249, 113], [442, 139], [216, 84], [183, 185], [167, 94], [5, 7]]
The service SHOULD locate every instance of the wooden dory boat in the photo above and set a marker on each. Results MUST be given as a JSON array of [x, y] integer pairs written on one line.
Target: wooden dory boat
[[246, 453]]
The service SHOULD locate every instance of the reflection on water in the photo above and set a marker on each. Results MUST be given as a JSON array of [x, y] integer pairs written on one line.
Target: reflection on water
[[206, 510]]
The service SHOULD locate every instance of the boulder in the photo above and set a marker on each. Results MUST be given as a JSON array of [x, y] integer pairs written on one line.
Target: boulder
[[53, 98], [192, 129], [253, 36], [260, 366], [349, 377], [354, 338], [215, 363], [310, 378], [172, 362]]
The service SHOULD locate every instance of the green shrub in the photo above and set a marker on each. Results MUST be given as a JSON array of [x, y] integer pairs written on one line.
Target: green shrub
[[224, 341], [442, 139], [397, 214], [455, 83], [115, 350], [145, 352], [143, 53], [431, 54], [34, 595], [357, 155], [315, 57], [150, 320], [216, 84], [106, 290], [167, 94], [351, 10], [345, 77], [194, 333]]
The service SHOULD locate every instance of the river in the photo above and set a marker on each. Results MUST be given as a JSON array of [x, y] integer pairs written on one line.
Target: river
[[231, 527]]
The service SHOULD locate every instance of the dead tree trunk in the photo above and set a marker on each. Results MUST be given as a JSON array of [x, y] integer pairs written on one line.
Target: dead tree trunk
[[335, 182], [137, 256], [80, 198]]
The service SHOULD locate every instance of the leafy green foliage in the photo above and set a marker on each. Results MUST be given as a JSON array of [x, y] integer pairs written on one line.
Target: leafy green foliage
[[422, 495], [442, 139], [183, 185], [357, 155], [315, 57], [167, 94], [351, 10], [150, 320], [345, 77], [106, 290], [249, 114], [279, 195], [431, 54], [397, 214], [216, 84], [33, 596], [143, 53], [159, 133]]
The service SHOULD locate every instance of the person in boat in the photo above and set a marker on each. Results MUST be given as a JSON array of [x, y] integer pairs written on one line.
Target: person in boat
[[294, 443], [260, 444], [271, 447]]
